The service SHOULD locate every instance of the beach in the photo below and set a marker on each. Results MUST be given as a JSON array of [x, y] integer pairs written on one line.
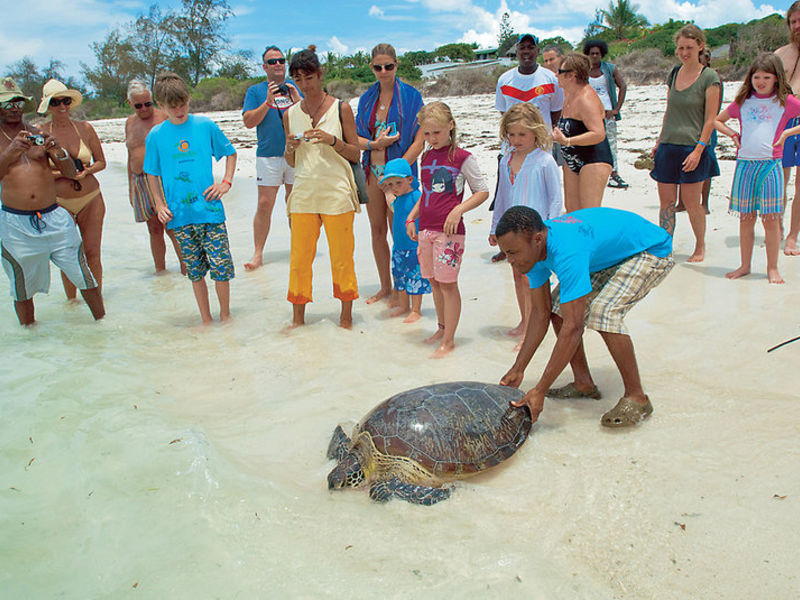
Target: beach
[[145, 454]]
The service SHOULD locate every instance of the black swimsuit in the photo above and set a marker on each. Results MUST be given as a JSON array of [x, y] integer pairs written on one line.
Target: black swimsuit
[[577, 156]]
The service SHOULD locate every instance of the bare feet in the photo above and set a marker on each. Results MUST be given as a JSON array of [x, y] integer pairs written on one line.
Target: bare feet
[[436, 336], [740, 272], [413, 317], [379, 296], [774, 276], [254, 263], [698, 256], [516, 331], [443, 350], [225, 319], [790, 248], [346, 322], [499, 257], [399, 311]]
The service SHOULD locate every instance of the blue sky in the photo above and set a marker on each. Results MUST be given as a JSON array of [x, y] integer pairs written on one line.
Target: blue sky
[[65, 30]]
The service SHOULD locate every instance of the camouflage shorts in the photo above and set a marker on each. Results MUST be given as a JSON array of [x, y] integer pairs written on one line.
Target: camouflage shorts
[[204, 248]]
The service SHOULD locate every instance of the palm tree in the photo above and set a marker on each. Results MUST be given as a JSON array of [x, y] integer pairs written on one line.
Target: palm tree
[[621, 18]]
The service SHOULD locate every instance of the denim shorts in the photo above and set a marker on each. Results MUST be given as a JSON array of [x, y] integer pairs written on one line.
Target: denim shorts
[[669, 165]]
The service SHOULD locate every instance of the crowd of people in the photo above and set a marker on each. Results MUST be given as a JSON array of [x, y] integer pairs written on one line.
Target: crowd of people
[[401, 158]]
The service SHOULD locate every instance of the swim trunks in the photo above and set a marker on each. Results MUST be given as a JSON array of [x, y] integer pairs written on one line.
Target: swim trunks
[[791, 146], [578, 156], [31, 239], [204, 247], [406, 273], [144, 207]]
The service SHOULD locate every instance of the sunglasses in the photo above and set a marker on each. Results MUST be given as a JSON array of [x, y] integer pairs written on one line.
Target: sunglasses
[[139, 105], [12, 104], [56, 101], [562, 71], [379, 68], [275, 61]]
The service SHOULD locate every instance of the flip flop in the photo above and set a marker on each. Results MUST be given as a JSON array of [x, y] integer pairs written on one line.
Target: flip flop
[[570, 391], [627, 412]]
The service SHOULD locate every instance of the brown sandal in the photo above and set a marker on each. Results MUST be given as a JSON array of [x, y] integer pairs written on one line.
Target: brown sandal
[[627, 412]]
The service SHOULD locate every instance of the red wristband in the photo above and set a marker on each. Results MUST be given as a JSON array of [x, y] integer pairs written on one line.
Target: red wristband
[[228, 182], [410, 221]]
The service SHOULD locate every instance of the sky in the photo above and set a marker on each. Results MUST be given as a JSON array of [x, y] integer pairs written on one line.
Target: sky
[[65, 31]]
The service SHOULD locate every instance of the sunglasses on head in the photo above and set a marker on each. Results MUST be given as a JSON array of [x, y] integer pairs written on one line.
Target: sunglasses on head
[[66, 101], [379, 68], [11, 104], [562, 71], [275, 61], [139, 105]]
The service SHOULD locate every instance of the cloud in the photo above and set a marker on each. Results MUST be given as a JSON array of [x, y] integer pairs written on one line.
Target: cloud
[[337, 46], [374, 11]]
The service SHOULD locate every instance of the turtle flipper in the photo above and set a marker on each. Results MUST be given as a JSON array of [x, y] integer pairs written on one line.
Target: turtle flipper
[[339, 444], [381, 491]]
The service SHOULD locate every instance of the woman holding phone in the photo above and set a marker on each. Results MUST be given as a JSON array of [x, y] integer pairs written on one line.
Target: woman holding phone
[[387, 128]]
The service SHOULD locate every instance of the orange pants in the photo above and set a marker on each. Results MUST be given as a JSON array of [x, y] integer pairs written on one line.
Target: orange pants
[[341, 242]]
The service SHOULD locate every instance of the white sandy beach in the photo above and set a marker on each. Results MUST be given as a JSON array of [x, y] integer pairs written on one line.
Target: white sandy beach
[[143, 455]]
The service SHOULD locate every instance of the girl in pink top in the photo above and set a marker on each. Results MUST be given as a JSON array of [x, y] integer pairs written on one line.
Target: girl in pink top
[[763, 106], [444, 168]]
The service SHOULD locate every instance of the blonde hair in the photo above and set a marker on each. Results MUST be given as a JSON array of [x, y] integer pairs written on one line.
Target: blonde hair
[[579, 65], [691, 32], [170, 90], [529, 117], [439, 113]]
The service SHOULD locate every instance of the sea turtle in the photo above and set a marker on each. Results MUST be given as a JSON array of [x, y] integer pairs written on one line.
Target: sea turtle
[[412, 443]]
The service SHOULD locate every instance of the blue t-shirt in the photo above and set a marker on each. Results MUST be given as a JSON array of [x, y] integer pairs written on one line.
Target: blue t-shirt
[[402, 206], [593, 239], [181, 156], [271, 137]]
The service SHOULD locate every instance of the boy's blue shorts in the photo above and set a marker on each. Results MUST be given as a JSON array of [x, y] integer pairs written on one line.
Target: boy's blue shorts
[[791, 147], [204, 247], [405, 270]]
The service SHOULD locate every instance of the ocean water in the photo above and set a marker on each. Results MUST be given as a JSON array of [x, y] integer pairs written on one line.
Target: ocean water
[[144, 454]]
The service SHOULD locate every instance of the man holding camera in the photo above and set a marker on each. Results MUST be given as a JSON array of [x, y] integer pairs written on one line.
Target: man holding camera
[[264, 105], [33, 229]]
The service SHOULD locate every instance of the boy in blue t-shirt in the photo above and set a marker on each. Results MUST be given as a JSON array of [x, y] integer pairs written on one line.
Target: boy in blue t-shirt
[[177, 161], [398, 179]]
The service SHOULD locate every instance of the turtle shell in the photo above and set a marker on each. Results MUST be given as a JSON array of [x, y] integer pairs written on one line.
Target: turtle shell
[[452, 429]]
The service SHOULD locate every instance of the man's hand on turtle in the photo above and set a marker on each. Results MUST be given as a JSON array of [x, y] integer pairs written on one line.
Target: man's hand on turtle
[[535, 401]]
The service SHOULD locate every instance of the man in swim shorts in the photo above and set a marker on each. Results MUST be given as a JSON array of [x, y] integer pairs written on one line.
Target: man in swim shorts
[[264, 105], [606, 260], [33, 229], [145, 116], [790, 55]]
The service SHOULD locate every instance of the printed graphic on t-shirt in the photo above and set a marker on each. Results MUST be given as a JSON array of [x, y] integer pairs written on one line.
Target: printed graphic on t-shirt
[[444, 179]]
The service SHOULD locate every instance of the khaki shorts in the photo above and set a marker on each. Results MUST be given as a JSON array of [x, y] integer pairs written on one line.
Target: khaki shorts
[[616, 289]]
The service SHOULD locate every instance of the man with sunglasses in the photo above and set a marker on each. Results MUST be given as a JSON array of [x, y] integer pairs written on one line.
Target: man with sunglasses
[[264, 105], [34, 229], [137, 126]]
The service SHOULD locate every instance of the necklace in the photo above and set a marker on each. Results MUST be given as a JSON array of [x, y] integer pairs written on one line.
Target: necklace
[[5, 134], [316, 110]]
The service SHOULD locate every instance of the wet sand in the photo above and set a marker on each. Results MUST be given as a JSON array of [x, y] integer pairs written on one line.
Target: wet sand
[[143, 454]]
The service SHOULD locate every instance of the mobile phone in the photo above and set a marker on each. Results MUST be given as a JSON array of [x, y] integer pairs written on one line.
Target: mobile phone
[[392, 129]]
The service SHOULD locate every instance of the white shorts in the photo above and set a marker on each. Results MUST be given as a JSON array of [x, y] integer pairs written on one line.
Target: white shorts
[[30, 240], [273, 171]]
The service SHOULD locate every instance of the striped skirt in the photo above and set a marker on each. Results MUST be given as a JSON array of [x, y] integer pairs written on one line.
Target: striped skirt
[[757, 188]]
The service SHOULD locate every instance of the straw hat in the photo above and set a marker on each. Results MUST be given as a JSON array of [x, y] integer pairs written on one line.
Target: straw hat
[[10, 90], [56, 89]]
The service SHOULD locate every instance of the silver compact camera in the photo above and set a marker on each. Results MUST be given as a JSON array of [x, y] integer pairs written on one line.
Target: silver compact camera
[[36, 139]]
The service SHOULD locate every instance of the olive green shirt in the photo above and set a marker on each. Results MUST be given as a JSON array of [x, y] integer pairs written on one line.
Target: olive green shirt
[[686, 109]]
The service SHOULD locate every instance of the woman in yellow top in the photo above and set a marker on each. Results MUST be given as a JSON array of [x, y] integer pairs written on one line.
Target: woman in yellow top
[[321, 142], [80, 196]]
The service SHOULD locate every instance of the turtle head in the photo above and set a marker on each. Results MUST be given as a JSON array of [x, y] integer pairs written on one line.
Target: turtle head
[[348, 473]]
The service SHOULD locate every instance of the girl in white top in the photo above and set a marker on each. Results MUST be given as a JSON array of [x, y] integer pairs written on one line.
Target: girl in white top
[[528, 176], [763, 106]]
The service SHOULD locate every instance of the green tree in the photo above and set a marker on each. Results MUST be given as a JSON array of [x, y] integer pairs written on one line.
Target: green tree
[[557, 41], [155, 46], [116, 66], [661, 37], [506, 38], [30, 77], [199, 28], [622, 20], [238, 65], [456, 52], [418, 57]]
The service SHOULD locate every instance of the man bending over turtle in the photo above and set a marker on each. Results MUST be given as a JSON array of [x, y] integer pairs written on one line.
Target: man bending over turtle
[[606, 260], [33, 229]]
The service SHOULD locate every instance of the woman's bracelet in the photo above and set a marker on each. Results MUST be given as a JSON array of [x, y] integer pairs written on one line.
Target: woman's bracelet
[[228, 182], [368, 148], [335, 139], [702, 143], [410, 221]]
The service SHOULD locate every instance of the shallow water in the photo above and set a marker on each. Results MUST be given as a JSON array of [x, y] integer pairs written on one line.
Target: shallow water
[[145, 454]]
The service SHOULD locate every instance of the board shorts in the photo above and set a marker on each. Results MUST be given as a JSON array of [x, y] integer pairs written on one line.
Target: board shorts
[[791, 147], [757, 188], [668, 163], [144, 207], [204, 247], [29, 240], [440, 255], [406, 273], [273, 171], [616, 289]]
